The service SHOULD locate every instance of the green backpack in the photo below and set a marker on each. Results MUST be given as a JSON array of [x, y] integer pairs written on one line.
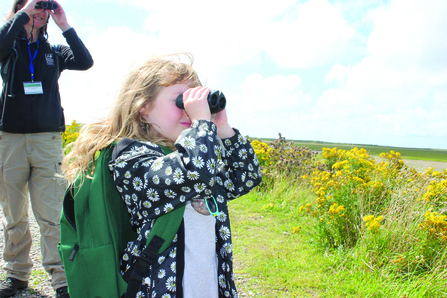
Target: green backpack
[[95, 228]]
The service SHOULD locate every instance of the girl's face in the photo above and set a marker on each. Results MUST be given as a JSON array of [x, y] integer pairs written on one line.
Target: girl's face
[[165, 116]]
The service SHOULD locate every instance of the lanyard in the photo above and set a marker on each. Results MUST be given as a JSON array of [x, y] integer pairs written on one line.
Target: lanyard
[[31, 66]]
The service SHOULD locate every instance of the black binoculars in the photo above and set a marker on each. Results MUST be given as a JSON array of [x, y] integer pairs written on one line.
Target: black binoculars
[[216, 101], [46, 5]]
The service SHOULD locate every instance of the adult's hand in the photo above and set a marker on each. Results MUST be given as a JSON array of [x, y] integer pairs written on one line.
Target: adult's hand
[[30, 9], [59, 17]]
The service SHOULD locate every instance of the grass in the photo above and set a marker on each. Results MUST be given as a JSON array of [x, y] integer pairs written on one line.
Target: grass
[[273, 261], [407, 153], [273, 255]]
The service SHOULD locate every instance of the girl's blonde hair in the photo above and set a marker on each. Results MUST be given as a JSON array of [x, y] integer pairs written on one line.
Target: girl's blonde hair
[[141, 85]]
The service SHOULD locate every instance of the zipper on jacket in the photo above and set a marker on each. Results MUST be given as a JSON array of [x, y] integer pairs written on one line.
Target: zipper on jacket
[[32, 114]]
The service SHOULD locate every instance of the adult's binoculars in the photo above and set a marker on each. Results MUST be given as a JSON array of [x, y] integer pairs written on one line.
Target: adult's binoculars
[[216, 101], [46, 5]]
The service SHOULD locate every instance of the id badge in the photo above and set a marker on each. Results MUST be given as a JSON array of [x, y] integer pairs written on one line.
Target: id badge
[[33, 88]]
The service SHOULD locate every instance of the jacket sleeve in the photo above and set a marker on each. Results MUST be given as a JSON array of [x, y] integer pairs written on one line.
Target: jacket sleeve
[[75, 56], [9, 31], [242, 171]]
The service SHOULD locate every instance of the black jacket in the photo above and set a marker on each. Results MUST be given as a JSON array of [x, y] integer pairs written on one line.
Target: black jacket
[[151, 186], [20, 113]]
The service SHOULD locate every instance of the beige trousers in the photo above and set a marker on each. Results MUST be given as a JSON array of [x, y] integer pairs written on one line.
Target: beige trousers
[[28, 163]]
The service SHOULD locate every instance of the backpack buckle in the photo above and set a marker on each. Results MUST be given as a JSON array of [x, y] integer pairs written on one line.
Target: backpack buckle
[[149, 254]]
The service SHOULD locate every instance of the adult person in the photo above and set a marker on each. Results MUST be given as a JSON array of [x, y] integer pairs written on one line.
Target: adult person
[[31, 123]]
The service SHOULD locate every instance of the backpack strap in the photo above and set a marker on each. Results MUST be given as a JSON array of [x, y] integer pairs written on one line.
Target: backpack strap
[[120, 146], [163, 232], [56, 58], [5, 68]]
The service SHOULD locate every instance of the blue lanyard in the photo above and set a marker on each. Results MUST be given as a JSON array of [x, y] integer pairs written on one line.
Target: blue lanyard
[[31, 66]]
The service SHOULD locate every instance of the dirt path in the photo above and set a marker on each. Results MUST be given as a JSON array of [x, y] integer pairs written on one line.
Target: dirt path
[[421, 165]]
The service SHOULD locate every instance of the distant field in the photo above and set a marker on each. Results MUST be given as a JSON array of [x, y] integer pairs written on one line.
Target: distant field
[[407, 153]]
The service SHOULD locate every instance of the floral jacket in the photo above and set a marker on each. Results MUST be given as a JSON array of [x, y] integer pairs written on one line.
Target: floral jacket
[[152, 184]]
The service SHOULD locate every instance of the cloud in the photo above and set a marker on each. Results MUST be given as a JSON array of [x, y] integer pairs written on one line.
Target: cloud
[[293, 35], [411, 33], [337, 73], [311, 34], [87, 95], [399, 88], [264, 107], [273, 94], [405, 53]]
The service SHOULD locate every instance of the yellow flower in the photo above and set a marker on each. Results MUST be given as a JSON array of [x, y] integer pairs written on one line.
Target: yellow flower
[[368, 218], [340, 209], [267, 206], [332, 209], [372, 222], [296, 229]]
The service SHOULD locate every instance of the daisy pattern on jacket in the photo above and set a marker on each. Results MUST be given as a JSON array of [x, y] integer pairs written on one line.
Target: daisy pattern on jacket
[[159, 183]]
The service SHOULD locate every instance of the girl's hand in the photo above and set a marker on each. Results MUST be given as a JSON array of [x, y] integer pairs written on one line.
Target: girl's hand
[[224, 130], [60, 18], [196, 103]]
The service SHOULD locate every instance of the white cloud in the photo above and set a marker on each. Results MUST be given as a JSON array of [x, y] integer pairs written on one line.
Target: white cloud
[[406, 49], [337, 73], [87, 95], [397, 89], [411, 33], [232, 32], [267, 106], [226, 33], [273, 94], [314, 34]]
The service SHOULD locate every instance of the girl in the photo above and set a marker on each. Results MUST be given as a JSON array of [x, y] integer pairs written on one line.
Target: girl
[[211, 164]]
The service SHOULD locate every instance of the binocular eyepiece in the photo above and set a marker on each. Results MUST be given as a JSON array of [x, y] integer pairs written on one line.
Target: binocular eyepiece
[[216, 101], [50, 5]]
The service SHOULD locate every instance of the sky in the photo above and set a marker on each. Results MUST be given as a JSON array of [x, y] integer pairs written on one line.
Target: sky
[[348, 71]]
